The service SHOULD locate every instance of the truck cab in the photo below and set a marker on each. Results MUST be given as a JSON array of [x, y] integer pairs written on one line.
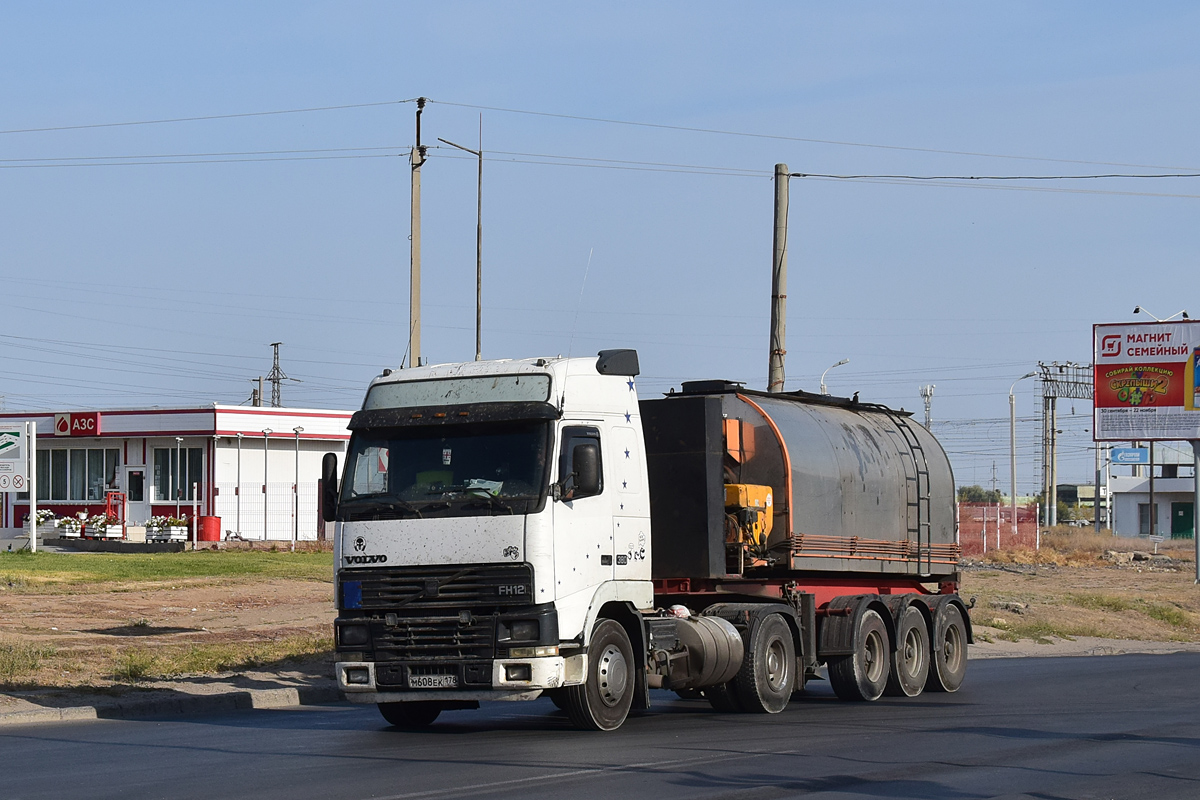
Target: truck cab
[[488, 515]]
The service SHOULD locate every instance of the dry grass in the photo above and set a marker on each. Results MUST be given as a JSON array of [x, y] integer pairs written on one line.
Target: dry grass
[[206, 659], [19, 661], [1067, 546]]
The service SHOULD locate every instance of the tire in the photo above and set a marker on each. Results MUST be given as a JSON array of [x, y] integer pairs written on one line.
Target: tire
[[601, 703], [768, 675], [910, 660], [413, 716], [863, 675], [948, 662]]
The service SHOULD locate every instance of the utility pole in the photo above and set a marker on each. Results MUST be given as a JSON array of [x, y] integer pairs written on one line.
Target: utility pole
[[1058, 380], [414, 286], [478, 240], [276, 377], [927, 396], [775, 374]]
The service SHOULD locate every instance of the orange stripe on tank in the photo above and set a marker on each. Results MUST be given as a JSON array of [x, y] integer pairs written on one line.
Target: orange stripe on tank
[[787, 460]]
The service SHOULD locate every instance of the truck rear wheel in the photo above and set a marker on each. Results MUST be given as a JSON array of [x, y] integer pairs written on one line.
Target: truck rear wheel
[[768, 674], [948, 666], [602, 702], [863, 675], [410, 716], [910, 660]]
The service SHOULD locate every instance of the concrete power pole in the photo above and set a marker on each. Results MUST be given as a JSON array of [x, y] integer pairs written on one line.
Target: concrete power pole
[[414, 285], [775, 374], [927, 396]]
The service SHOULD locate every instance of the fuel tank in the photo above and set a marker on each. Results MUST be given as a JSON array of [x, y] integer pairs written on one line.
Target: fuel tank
[[856, 487]]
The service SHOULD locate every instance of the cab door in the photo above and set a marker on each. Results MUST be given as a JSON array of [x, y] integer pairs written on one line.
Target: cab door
[[583, 528]]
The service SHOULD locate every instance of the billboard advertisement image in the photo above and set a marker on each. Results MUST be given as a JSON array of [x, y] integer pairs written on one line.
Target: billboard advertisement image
[[1147, 381]]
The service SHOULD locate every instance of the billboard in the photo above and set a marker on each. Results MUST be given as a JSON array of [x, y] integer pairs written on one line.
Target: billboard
[[1147, 381], [14, 459]]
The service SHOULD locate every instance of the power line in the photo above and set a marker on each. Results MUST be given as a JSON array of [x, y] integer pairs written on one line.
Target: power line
[[204, 118], [779, 137], [993, 177]]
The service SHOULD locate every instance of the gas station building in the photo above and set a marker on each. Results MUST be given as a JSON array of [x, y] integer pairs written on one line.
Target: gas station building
[[250, 466]]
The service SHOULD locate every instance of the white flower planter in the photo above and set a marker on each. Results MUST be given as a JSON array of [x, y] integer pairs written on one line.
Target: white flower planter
[[105, 532], [175, 533]]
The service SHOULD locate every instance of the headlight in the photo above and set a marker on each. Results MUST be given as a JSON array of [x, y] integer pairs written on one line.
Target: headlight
[[353, 635], [524, 630]]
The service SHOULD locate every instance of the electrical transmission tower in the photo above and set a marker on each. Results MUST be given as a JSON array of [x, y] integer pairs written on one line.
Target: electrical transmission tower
[[927, 396], [1069, 380], [276, 377]]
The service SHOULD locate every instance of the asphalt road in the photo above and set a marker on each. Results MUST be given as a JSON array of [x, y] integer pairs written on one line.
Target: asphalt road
[[1098, 727]]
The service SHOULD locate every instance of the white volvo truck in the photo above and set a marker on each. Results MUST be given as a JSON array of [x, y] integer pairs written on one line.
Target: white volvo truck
[[511, 529]]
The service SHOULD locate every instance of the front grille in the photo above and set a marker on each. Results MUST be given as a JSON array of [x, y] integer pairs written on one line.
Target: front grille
[[426, 638], [437, 613], [456, 586]]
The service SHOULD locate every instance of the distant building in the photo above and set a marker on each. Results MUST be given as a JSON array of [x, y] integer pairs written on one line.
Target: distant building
[[1173, 506], [163, 459]]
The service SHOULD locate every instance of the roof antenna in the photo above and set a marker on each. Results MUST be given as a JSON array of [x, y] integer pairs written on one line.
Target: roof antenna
[[575, 324]]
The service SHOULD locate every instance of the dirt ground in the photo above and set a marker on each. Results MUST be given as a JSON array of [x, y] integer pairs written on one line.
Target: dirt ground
[[90, 635]]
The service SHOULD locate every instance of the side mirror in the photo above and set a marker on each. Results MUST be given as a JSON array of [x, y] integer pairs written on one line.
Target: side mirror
[[329, 487], [586, 460]]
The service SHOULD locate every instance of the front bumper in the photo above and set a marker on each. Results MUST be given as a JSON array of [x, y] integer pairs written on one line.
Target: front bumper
[[512, 679]]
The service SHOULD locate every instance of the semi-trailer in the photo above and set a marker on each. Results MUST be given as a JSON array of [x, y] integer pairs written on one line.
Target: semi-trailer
[[510, 529]]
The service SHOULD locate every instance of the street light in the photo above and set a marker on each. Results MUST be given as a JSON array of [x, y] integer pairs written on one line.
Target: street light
[[266, 458], [826, 372], [1012, 445], [478, 239], [1140, 310], [296, 493]]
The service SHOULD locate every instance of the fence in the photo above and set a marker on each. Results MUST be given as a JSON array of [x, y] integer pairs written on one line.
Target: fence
[[280, 517], [983, 527]]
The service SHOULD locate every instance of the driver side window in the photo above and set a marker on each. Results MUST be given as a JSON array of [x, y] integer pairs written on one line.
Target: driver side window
[[571, 437]]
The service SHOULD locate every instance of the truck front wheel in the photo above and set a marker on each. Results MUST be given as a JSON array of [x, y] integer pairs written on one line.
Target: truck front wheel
[[863, 675], [602, 702], [410, 716]]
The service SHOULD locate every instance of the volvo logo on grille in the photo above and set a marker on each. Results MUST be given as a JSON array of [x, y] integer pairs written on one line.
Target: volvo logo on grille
[[379, 559], [512, 590]]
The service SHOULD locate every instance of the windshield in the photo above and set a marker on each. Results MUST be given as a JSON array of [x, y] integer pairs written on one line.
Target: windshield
[[459, 470]]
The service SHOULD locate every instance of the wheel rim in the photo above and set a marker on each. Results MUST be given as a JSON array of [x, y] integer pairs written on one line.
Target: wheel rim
[[874, 656], [612, 675], [952, 647], [776, 663], [913, 653]]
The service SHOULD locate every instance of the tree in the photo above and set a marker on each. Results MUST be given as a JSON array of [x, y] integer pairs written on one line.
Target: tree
[[977, 494]]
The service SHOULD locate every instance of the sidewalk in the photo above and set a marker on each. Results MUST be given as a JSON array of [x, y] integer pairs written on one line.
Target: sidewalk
[[246, 689]]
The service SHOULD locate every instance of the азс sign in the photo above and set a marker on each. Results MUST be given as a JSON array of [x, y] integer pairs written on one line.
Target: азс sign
[[78, 423], [1147, 381]]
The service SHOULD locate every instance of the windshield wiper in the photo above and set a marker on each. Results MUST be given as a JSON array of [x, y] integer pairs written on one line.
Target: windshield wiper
[[489, 502], [393, 504]]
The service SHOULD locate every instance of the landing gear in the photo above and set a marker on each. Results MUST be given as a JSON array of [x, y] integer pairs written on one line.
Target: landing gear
[[910, 661], [602, 702], [863, 675], [949, 651], [410, 716]]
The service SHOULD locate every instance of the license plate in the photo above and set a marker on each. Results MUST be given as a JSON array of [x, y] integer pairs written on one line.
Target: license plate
[[432, 681]]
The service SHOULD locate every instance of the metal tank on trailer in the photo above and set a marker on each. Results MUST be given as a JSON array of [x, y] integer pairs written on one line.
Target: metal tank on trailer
[[854, 487]]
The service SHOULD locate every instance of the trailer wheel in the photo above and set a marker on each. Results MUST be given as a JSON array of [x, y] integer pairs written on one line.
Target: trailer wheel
[[410, 716], [768, 674], [602, 702], [949, 662], [863, 675], [910, 661]]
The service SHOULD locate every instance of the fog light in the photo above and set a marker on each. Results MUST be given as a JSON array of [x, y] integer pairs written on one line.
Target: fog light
[[358, 676], [518, 672]]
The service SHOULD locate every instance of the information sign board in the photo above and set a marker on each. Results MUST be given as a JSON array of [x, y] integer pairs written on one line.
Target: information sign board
[[1147, 381], [1130, 455], [14, 459]]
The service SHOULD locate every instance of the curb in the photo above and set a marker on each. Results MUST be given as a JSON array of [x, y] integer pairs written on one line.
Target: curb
[[241, 700]]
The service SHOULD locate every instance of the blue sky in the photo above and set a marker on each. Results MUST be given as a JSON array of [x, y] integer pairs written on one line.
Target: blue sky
[[164, 283]]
